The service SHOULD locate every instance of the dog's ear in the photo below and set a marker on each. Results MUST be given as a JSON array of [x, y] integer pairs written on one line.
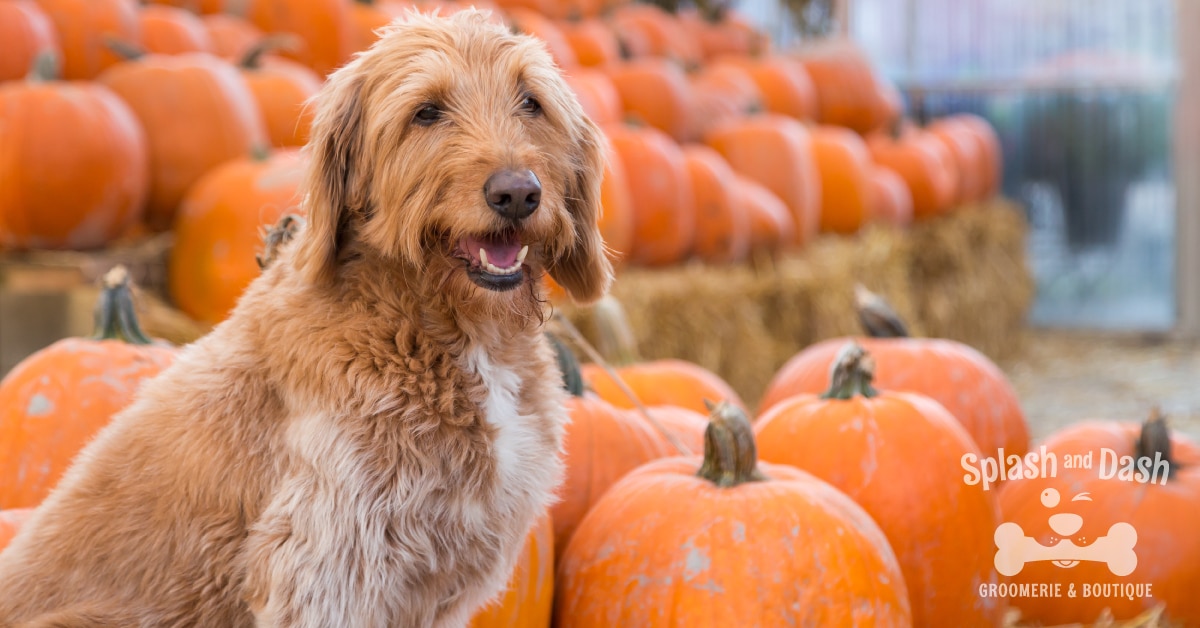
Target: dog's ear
[[583, 269], [336, 180]]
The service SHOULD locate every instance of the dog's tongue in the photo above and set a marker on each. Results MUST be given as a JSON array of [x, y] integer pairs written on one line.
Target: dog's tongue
[[501, 252]]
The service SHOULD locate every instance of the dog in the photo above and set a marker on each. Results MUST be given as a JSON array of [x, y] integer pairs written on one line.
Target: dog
[[367, 439]]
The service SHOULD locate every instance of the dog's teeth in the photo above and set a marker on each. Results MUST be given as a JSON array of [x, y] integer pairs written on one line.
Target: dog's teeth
[[483, 258], [521, 255]]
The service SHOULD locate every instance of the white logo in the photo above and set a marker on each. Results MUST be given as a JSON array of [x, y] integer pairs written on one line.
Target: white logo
[[1014, 549]]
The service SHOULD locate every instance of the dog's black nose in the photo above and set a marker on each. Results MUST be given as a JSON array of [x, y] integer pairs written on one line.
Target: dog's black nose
[[513, 194]]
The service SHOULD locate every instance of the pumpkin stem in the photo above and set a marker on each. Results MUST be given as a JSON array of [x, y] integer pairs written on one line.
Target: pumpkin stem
[[115, 317], [276, 236], [595, 356], [126, 50], [1155, 440], [876, 315], [730, 454], [568, 364], [252, 60], [851, 374], [46, 67]]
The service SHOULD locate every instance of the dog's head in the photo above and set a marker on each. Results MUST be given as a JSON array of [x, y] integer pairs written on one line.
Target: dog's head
[[456, 147]]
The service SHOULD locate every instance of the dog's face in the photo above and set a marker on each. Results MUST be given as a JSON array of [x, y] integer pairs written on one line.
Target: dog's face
[[455, 147]]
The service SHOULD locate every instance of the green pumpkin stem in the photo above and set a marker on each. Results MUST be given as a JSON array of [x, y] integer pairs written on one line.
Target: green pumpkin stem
[[876, 316], [1155, 438], [851, 374], [46, 67], [568, 364], [115, 317], [126, 50], [252, 60], [730, 453]]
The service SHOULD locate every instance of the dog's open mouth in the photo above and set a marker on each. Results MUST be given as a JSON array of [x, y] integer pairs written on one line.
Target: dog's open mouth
[[494, 261]]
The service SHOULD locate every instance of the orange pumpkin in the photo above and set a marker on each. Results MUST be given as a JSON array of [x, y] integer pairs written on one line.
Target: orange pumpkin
[[82, 27], [844, 165], [593, 41], [891, 201], [533, 23], [231, 36], [1077, 506], [54, 401], [322, 25], [776, 151], [923, 163], [25, 32], [197, 113], [849, 92], [195, 6], [282, 89], [783, 83], [722, 224], [724, 540], [558, 9], [731, 34], [367, 16], [171, 30], [664, 221], [897, 454], [218, 228], [667, 382], [656, 92], [662, 30], [530, 592], [990, 152], [965, 155], [972, 388], [772, 227], [596, 94], [11, 521], [721, 94], [72, 163], [616, 218], [685, 425]]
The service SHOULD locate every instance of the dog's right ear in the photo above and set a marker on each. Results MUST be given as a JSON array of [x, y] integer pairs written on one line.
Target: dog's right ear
[[335, 183]]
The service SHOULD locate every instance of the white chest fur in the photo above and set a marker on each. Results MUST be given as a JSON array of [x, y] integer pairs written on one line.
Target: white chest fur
[[515, 436]]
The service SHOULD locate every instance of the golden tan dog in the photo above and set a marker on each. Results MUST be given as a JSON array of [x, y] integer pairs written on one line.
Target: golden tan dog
[[368, 437]]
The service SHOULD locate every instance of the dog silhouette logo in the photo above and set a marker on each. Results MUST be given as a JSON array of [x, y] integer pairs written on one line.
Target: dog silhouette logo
[[1015, 549]]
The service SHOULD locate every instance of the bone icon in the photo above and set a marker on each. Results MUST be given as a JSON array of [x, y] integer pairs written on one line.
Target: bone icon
[[1015, 549]]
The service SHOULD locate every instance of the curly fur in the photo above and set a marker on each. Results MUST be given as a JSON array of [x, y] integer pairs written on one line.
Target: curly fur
[[369, 436]]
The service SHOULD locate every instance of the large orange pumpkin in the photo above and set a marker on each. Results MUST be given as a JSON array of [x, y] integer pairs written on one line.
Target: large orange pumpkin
[[11, 521], [197, 113], [322, 25], [891, 201], [25, 32], [282, 89], [667, 382], [232, 36], [664, 218], [772, 227], [1077, 506], [990, 152], [924, 164], [596, 94], [217, 231], [73, 163], [783, 83], [656, 92], [964, 381], [776, 151], [849, 92], [54, 401], [171, 30], [845, 166], [616, 218], [685, 426], [724, 540], [83, 26], [898, 455], [529, 595], [594, 42], [722, 224]]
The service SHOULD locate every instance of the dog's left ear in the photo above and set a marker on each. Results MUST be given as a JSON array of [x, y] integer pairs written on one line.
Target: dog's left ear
[[583, 269]]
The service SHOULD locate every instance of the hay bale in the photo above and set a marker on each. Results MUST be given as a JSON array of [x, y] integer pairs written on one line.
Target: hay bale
[[962, 276]]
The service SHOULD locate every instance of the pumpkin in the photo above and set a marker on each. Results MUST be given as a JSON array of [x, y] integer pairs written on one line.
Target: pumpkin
[[725, 540], [218, 227], [897, 454], [970, 386], [730, 34], [777, 152], [616, 218], [722, 224], [721, 94], [231, 36], [1163, 512], [783, 84], [82, 27], [73, 163], [11, 521], [664, 221], [530, 592], [322, 25], [686, 426], [844, 165], [368, 16], [25, 32], [533, 23], [990, 152], [282, 89], [593, 41], [655, 92], [171, 30], [197, 113], [662, 30], [924, 164], [771, 224], [668, 382], [966, 156], [195, 6], [890, 199], [557, 9], [849, 92], [596, 94], [54, 401]]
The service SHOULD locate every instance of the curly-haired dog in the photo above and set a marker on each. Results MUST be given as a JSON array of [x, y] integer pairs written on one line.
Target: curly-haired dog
[[367, 439]]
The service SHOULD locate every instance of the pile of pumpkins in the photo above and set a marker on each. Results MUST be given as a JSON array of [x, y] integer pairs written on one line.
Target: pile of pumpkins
[[123, 118], [843, 502]]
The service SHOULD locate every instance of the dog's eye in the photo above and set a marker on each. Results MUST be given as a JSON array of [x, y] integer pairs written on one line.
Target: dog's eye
[[427, 115], [531, 105]]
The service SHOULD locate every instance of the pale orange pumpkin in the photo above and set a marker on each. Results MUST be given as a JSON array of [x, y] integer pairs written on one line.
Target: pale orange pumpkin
[[171, 30], [655, 92], [844, 165], [232, 36], [722, 224], [664, 218], [282, 89], [322, 25], [25, 32], [84, 26]]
